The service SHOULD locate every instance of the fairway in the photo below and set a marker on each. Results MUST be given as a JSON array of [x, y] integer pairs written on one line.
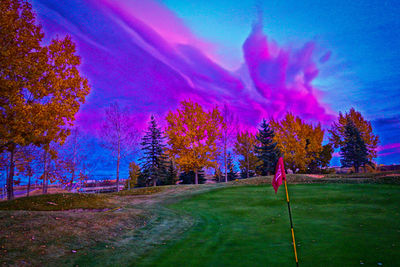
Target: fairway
[[335, 225]]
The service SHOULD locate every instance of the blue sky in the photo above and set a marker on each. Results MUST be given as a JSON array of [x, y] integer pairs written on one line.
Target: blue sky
[[151, 54], [362, 36]]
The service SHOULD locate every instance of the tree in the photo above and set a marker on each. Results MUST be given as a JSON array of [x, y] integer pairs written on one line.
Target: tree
[[118, 134], [232, 174], [192, 134], [41, 89], [227, 134], [244, 147], [171, 173], [322, 160], [76, 159], [189, 177], [153, 161], [337, 137], [354, 151], [267, 152], [134, 173], [299, 142]]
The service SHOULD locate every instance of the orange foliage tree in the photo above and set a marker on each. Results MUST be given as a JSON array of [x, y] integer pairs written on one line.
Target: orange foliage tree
[[245, 147], [300, 143], [192, 134], [41, 87]]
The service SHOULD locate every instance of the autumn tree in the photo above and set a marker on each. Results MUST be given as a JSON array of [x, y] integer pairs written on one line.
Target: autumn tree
[[41, 88], [267, 151], [154, 159], [227, 136], [134, 173], [353, 152], [118, 134], [322, 160], [244, 148], [337, 137], [192, 134], [299, 142]]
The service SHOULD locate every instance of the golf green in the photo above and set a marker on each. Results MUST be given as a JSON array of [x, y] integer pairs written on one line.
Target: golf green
[[335, 225]]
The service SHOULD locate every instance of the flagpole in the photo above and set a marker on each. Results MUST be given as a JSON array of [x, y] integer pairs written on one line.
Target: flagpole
[[291, 224]]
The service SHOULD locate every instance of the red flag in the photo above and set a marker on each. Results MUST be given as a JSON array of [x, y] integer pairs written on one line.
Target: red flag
[[279, 175]]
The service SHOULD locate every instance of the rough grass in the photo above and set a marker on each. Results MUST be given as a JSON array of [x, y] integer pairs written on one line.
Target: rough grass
[[133, 227], [141, 191], [53, 202]]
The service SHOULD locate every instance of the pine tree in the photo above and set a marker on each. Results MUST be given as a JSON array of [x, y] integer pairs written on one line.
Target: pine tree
[[267, 152], [232, 174], [153, 161], [171, 173], [354, 151]]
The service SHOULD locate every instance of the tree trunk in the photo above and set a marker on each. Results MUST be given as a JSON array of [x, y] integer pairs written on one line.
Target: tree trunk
[[356, 168], [248, 165], [29, 186], [226, 164], [44, 189], [118, 159], [10, 176], [196, 177], [73, 162]]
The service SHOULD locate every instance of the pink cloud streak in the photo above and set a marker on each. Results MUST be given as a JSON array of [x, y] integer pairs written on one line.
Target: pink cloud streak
[[145, 57]]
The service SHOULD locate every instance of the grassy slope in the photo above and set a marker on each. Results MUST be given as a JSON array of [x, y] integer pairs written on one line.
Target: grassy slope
[[226, 217], [336, 225]]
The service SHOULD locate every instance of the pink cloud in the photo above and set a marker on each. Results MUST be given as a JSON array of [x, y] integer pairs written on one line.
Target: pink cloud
[[284, 77], [142, 55]]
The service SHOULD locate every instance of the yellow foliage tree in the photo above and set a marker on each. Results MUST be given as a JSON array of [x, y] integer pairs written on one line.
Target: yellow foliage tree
[[134, 173], [300, 143], [338, 129], [192, 135], [244, 147], [41, 89]]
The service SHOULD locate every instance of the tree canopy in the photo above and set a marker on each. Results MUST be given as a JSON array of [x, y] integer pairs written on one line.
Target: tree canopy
[[337, 137], [41, 88], [192, 134], [299, 142], [267, 151], [354, 151], [244, 147], [154, 159]]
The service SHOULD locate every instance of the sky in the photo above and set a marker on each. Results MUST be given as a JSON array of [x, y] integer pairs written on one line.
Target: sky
[[261, 58]]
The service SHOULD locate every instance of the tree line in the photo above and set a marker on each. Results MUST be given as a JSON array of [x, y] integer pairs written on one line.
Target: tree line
[[42, 91], [196, 141]]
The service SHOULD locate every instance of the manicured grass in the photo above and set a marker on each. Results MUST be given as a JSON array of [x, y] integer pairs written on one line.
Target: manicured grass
[[335, 225]]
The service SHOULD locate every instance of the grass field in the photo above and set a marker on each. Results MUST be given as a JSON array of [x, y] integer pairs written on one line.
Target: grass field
[[336, 225], [210, 225]]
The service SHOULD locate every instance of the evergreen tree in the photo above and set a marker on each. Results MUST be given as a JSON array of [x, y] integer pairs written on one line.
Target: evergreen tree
[[354, 151], [267, 152], [153, 161], [171, 174], [232, 175]]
